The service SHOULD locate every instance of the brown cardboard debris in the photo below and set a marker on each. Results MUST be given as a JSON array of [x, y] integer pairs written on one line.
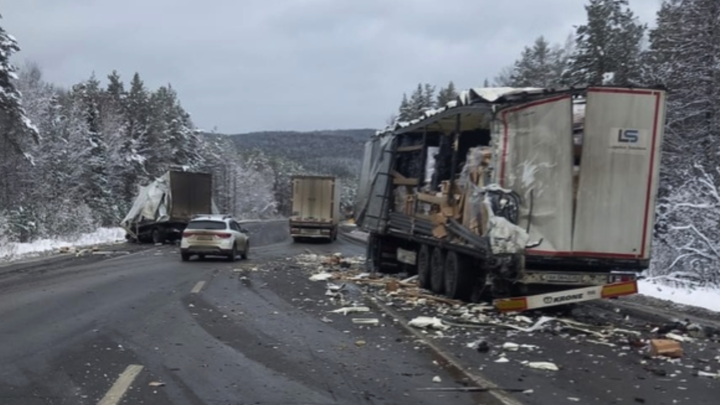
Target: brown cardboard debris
[[666, 348], [439, 231], [392, 285]]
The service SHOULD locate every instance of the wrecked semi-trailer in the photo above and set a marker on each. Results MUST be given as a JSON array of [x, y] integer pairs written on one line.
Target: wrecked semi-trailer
[[515, 191], [163, 208], [315, 207]]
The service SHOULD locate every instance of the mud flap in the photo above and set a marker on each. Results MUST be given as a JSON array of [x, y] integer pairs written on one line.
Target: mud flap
[[566, 297]]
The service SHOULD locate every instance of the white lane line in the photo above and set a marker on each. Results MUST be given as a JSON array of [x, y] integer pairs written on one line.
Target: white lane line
[[198, 287], [116, 392]]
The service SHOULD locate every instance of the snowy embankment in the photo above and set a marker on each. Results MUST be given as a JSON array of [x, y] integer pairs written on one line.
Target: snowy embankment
[[702, 297], [12, 251]]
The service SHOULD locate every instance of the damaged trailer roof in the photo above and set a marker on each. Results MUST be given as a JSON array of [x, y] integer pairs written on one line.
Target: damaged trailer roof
[[475, 104], [469, 102]]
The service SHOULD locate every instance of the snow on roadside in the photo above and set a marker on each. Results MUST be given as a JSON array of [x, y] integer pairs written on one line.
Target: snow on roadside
[[707, 298], [14, 250]]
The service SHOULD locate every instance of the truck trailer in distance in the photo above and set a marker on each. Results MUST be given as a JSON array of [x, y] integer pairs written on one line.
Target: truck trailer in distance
[[164, 207], [518, 191], [315, 207]]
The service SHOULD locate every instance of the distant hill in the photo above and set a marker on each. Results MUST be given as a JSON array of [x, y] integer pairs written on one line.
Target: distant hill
[[328, 152], [333, 152]]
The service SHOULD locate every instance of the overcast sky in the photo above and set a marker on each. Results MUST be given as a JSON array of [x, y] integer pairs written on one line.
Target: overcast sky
[[250, 65]]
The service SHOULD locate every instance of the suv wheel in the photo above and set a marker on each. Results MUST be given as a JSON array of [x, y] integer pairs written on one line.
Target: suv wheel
[[233, 254], [246, 251]]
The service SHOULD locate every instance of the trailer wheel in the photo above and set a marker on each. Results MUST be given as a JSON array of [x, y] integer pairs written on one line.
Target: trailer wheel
[[157, 236], [458, 276], [437, 271], [423, 267]]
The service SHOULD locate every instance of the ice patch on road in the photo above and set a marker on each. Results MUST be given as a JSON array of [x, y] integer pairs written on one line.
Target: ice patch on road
[[13, 250], [708, 298]]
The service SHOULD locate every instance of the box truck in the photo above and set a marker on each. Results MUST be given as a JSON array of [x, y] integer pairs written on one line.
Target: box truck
[[315, 207]]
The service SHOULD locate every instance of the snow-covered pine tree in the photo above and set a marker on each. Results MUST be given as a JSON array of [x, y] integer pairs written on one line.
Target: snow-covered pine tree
[[15, 127], [683, 50], [405, 112], [428, 100], [505, 77], [417, 101], [94, 179], [607, 46], [446, 94], [136, 110]]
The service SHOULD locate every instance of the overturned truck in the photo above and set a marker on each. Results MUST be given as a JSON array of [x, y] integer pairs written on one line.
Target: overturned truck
[[511, 192], [163, 208]]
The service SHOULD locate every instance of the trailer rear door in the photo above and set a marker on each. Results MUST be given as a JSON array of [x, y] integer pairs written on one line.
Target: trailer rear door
[[534, 148], [619, 173]]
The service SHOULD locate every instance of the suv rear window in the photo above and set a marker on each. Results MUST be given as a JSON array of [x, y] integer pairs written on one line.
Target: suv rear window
[[206, 225]]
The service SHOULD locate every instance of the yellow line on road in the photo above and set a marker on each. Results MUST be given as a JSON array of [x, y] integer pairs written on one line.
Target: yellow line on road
[[198, 287], [116, 392]]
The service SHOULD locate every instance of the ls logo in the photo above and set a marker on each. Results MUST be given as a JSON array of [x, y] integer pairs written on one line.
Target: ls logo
[[628, 135]]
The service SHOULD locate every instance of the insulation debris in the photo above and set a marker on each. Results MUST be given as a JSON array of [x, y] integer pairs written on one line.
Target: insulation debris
[[426, 322], [542, 365], [321, 277], [350, 310]]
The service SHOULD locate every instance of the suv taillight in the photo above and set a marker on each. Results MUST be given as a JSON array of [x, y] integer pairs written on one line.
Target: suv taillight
[[223, 235], [187, 234]]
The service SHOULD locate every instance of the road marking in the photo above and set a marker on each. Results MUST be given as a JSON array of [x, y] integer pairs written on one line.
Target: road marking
[[116, 392], [197, 287]]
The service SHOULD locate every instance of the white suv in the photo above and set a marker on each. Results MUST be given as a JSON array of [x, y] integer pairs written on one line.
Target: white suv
[[214, 235]]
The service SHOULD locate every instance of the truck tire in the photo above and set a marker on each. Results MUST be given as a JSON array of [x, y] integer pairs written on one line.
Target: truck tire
[[158, 236], [423, 267], [459, 280], [437, 271], [185, 256]]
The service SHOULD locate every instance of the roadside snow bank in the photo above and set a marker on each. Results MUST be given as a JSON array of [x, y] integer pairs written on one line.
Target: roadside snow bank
[[14, 250], [702, 297]]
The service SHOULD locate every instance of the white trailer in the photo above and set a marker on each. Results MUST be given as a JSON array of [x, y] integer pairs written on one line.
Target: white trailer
[[529, 190], [315, 207]]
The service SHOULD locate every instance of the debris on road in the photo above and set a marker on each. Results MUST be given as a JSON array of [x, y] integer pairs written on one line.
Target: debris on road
[[365, 321], [507, 337], [542, 365], [424, 322], [156, 384], [321, 277], [349, 310], [665, 347]]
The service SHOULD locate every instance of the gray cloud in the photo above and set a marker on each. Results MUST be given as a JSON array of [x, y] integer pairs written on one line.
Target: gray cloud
[[288, 64]]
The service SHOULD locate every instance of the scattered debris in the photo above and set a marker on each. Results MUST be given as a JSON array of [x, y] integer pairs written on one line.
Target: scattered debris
[[437, 379], [666, 348], [321, 277], [542, 365], [424, 322], [349, 310], [480, 345], [156, 384], [484, 329], [366, 321]]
